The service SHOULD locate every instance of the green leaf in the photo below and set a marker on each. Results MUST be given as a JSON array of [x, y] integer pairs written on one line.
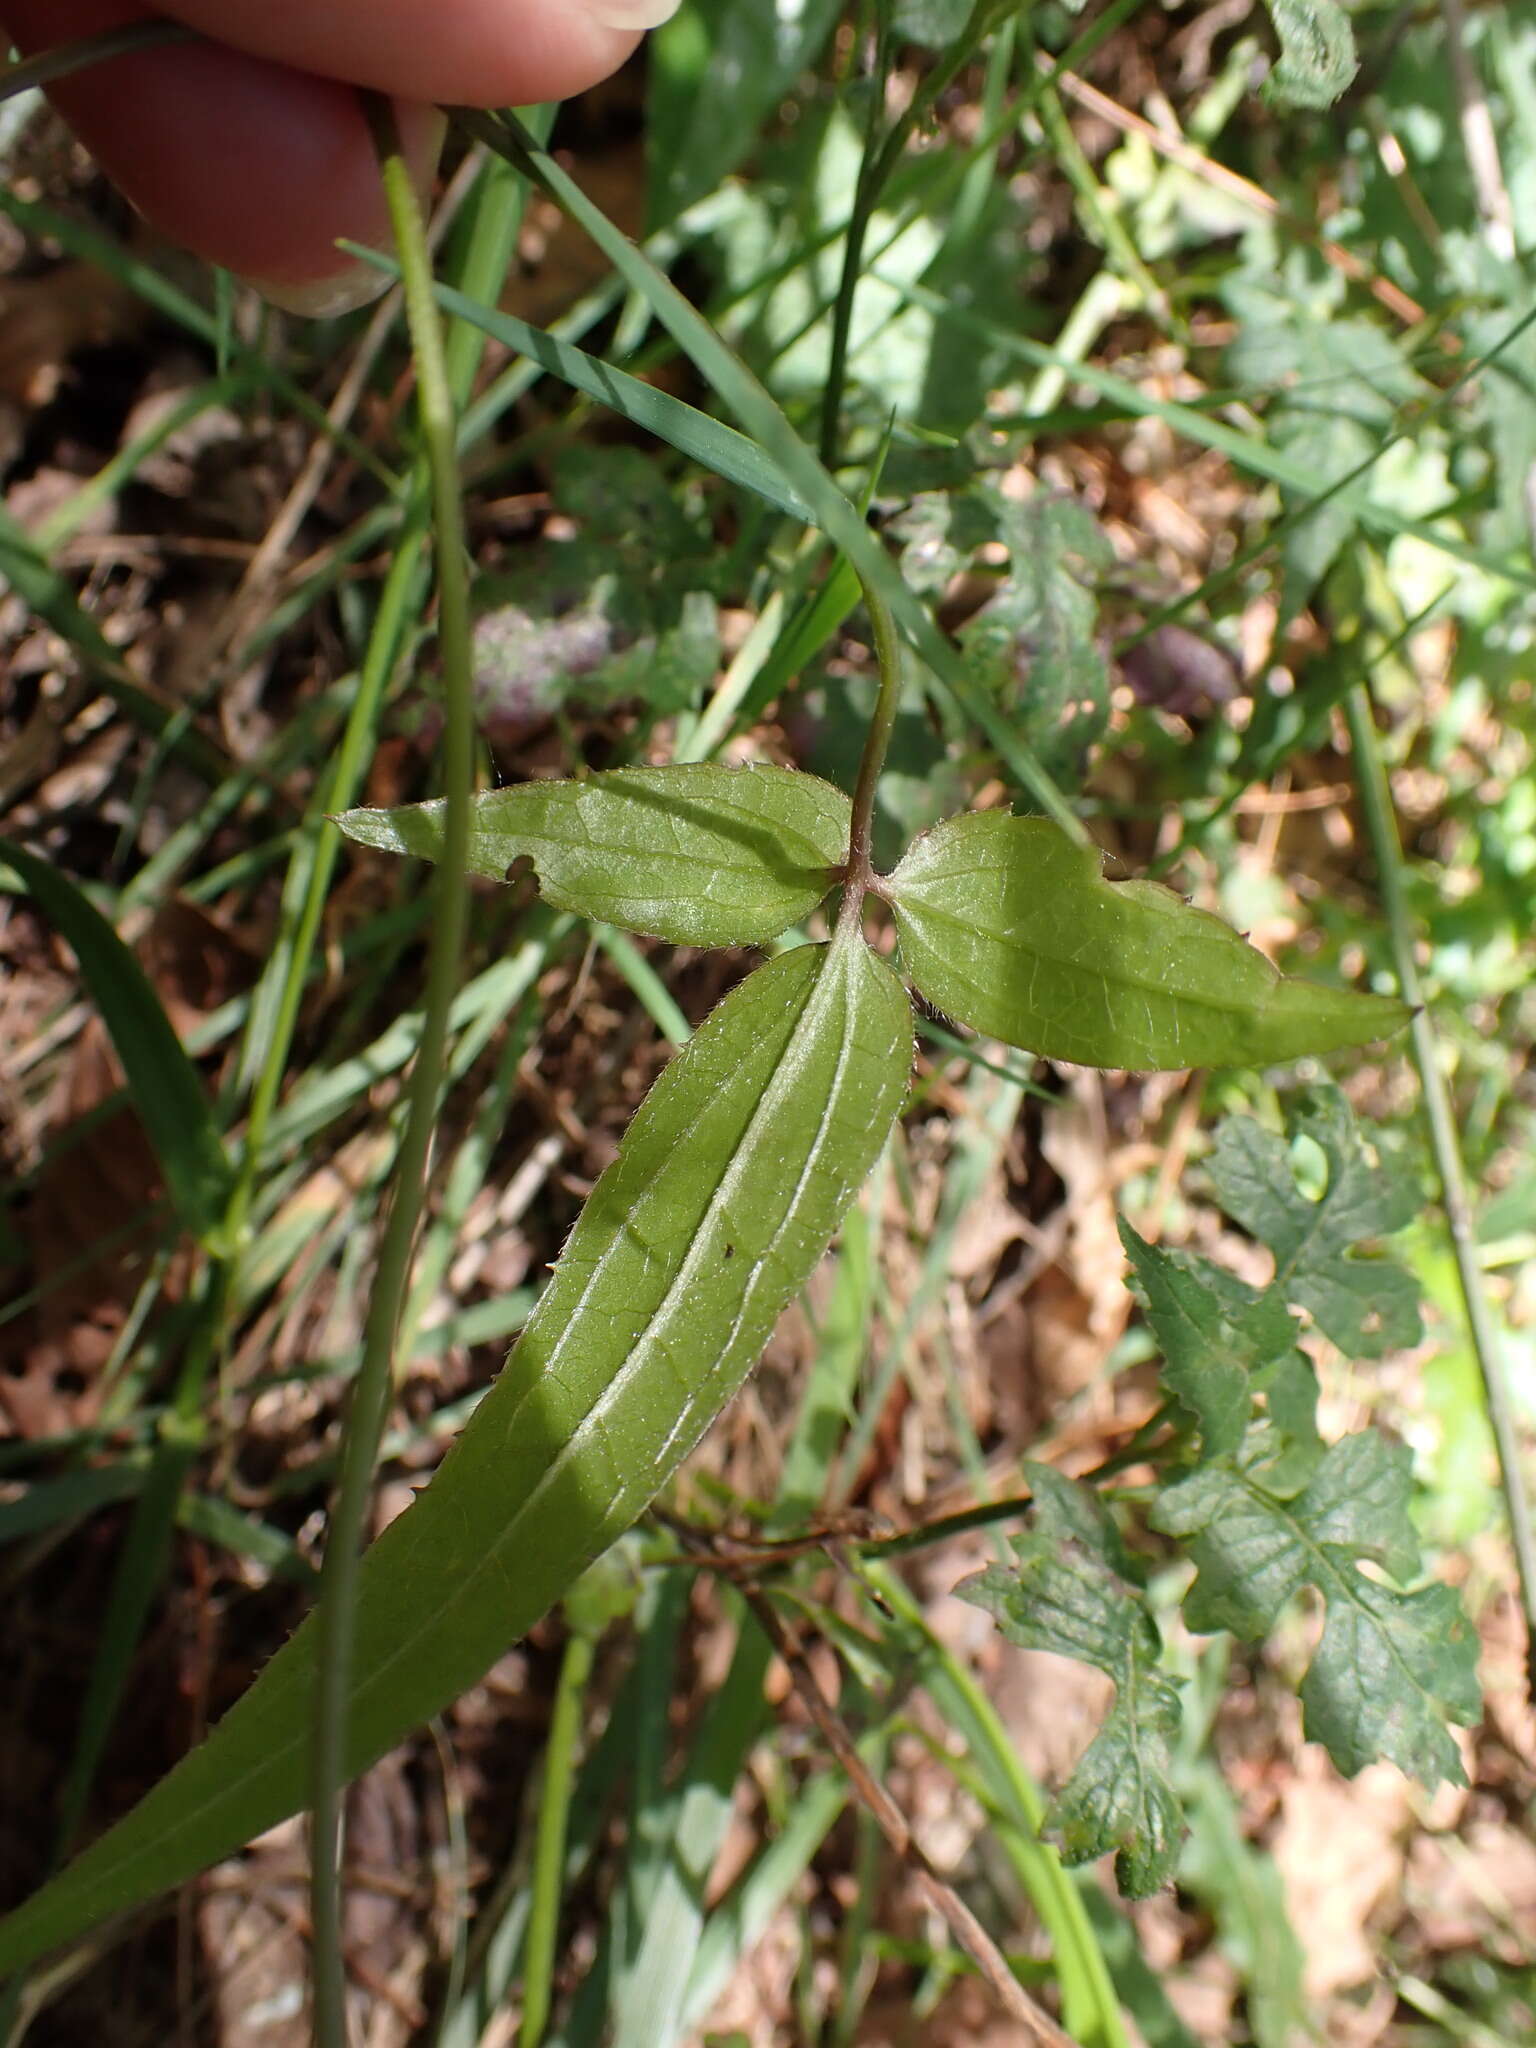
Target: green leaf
[[727, 1187], [1210, 1346], [1391, 1666], [167, 1093], [1009, 927], [940, 533], [1065, 1595], [1367, 1306], [697, 854], [1032, 648], [1336, 390], [1317, 53]]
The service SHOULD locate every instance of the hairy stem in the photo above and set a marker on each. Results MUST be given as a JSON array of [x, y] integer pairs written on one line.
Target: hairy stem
[[371, 1390]]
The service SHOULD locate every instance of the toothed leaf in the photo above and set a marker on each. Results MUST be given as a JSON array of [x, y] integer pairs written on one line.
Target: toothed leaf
[[1065, 1594], [1392, 1667]]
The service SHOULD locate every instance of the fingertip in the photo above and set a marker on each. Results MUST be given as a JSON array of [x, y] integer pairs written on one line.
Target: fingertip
[[248, 164], [483, 53]]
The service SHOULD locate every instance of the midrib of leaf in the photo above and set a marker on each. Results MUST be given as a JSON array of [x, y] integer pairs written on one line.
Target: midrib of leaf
[[1138, 1732], [1328, 1578], [1285, 1273], [738, 1166]]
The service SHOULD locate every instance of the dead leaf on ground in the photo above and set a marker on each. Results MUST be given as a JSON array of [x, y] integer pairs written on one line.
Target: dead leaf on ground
[[1341, 1847]]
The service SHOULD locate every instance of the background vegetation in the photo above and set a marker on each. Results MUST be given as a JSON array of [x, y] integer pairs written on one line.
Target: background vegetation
[[1205, 423]]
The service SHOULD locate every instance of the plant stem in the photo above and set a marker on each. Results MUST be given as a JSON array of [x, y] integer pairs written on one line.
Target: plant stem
[[866, 191], [549, 1849], [1381, 824], [371, 1391], [879, 160], [859, 874]]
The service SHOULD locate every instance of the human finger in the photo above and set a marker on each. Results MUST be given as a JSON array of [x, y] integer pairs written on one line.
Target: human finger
[[248, 163], [485, 53]]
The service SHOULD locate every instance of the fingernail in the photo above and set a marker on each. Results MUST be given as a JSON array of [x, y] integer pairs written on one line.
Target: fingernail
[[630, 13], [325, 298]]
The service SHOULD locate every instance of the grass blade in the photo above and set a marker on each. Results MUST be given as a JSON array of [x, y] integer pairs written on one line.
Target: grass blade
[[163, 1082]]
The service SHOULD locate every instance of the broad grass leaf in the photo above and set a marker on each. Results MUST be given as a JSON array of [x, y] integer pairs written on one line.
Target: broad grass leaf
[[167, 1093], [1009, 927], [727, 1187], [697, 854], [706, 440]]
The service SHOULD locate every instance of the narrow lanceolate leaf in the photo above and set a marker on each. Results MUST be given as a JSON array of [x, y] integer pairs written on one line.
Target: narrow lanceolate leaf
[[697, 854], [167, 1093], [1009, 927], [727, 1188], [1066, 1595], [1392, 1667]]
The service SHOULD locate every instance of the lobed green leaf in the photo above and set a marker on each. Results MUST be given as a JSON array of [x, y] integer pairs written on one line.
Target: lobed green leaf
[[1034, 646], [1211, 1345], [1006, 925], [1066, 1594], [695, 853], [727, 1187], [1392, 1667], [1367, 1306]]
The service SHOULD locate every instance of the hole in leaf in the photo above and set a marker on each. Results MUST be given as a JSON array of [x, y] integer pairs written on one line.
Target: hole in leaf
[[1309, 1163]]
